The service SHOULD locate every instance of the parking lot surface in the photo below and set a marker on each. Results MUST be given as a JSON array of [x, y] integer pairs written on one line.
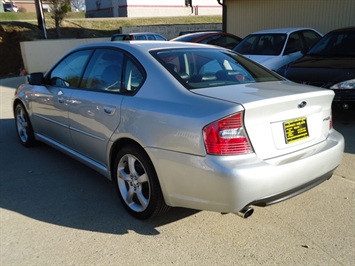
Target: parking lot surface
[[56, 211]]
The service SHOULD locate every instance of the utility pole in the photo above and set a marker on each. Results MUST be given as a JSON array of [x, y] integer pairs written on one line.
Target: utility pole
[[40, 17]]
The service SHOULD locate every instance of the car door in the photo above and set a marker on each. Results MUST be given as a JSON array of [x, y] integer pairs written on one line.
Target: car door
[[94, 112], [50, 109]]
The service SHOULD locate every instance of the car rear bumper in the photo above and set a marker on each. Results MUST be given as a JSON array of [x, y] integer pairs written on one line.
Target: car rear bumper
[[230, 183]]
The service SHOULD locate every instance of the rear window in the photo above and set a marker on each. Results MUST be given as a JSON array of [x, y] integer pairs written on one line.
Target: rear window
[[203, 68]]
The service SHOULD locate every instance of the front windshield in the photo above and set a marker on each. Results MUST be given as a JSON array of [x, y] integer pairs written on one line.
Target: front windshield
[[203, 68], [335, 44], [262, 44]]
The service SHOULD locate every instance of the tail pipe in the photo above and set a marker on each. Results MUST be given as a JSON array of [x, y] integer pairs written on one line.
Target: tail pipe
[[246, 212]]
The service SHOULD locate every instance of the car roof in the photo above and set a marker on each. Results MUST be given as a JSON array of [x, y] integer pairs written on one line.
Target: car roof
[[145, 45], [281, 30], [196, 35], [343, 29], [136, 33]]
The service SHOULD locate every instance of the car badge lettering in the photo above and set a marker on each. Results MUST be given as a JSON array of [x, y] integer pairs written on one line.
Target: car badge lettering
[[302, 104]]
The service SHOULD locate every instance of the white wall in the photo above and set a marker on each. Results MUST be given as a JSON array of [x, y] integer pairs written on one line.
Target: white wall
[[39, 56]]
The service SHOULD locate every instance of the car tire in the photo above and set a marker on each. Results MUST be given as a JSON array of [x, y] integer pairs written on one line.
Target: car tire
[[137, 183], [23, 126]]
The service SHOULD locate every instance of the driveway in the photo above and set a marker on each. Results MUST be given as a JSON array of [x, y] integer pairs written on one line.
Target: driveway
[[56, 211]]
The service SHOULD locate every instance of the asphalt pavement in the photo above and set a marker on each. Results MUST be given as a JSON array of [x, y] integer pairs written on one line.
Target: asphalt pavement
[[56, 211]]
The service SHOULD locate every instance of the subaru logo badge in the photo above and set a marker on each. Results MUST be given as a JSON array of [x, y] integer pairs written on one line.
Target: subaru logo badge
[[302, 104]]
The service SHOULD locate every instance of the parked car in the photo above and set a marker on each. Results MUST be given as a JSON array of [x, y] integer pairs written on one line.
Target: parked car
[[329, 64], [138, 36], [194, 31], [275, 48], [182, 124], [218, 38], [10, 7]]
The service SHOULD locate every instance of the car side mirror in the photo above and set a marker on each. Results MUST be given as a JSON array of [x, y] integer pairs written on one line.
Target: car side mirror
[[35, 78]]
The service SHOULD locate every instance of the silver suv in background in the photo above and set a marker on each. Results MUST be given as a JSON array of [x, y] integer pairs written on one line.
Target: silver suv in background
[[10, 7]]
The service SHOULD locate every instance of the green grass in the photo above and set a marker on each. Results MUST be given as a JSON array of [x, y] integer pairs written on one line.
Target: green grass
[[12, 16], [78, 18]]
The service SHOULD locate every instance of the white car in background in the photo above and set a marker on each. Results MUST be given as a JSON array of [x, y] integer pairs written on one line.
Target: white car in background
[[275, 48]]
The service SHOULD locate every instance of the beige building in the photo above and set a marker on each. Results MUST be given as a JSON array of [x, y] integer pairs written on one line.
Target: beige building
[[242, 17]]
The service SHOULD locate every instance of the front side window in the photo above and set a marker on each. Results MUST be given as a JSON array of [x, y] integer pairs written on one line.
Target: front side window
[[202, 68], [140, 37], [69, 71], [293, 43]]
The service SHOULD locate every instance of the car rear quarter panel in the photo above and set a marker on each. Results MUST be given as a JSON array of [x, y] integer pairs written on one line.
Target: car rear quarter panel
[[168, 118]]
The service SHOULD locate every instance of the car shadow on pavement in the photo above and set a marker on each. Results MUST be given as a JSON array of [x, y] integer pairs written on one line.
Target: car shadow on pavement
[[46, 185]]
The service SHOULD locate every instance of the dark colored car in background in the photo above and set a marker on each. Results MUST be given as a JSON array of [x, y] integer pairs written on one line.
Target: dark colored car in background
[[150, 36], [223, 39], [329, 64], [194, 31]]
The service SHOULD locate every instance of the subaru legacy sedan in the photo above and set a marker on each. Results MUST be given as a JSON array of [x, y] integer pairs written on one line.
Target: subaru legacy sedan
[[182, 125]]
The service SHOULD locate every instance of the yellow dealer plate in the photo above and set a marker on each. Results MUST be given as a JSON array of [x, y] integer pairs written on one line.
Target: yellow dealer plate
[[295, 129]]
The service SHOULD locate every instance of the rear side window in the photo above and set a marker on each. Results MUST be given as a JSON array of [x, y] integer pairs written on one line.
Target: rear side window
[[104, 71], [69, 71], [134, 76], [222, 40], [159, 37], [113, 70]]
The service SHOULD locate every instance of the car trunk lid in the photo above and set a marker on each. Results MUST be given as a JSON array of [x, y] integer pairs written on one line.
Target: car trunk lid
[[279, 120]]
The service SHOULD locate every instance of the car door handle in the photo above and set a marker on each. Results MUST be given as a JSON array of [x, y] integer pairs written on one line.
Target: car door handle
[[109, 110], [61, 100]]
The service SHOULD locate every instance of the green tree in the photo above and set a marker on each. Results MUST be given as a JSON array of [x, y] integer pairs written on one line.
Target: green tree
[[59, 10]]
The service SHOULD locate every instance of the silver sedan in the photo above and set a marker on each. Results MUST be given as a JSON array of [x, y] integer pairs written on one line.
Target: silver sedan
[[181, 124]]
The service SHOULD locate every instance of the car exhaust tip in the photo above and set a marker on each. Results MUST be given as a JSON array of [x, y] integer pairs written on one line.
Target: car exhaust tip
[[246, 212]]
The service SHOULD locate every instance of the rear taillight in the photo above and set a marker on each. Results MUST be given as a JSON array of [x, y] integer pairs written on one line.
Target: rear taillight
[[227, 136]]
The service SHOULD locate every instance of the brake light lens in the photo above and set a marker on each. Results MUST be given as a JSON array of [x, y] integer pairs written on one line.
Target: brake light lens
[[227, 136]]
